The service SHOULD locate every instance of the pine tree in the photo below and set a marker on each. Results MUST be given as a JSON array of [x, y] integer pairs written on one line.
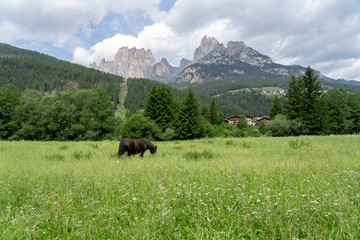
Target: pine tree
[[151, 107], [276, 108], [302, 103], [188, 126], [294, 96], [310, 113], [336, 104], [205, 112], [160, 106], [214, 113]]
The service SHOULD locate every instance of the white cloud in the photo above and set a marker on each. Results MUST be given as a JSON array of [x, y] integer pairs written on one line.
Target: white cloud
[[44, 20], [161, 39], [105, 49], [339, 68], [319, 33]]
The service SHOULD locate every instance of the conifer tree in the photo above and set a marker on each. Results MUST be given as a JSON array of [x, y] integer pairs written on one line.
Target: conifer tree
[[337, 111], [188, 126], [160, 106], [310, 113], [294, 96], [276, 108], [214, 113], [302, 103]]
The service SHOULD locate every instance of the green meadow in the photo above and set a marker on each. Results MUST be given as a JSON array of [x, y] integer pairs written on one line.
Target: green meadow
[[221, 188]]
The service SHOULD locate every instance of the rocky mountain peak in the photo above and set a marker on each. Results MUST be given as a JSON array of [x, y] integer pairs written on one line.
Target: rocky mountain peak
[[206, 46], [184, 63], [162, 67], [241, 52], [131, 62], [235, 46], [231, 60]]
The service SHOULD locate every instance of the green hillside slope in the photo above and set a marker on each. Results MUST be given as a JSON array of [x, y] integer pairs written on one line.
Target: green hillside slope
[[32, 70]]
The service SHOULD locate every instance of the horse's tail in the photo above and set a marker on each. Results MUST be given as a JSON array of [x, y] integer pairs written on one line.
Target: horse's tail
[[122, 148]]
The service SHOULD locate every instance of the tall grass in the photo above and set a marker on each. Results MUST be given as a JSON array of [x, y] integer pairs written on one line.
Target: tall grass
[[260, 188]]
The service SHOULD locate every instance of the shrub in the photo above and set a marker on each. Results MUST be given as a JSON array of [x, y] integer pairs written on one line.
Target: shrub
[[138, 126], [281, 126], [168, 135], [206, 129]]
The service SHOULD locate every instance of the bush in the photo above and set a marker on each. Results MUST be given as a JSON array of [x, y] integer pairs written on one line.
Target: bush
[[281, 126], [206, 128], [168, 135], [138, 126], [223, 130]]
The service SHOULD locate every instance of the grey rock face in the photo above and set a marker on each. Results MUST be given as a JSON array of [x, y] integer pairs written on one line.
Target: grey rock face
[[138, 63], [206, 46], [132, 62]]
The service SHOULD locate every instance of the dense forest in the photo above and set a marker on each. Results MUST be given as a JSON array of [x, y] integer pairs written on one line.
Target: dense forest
[[31, 70], [80, 115], [254, 104], [219, 78]]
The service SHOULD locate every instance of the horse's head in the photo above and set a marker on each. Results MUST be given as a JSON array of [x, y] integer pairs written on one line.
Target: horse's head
[[153, 150]]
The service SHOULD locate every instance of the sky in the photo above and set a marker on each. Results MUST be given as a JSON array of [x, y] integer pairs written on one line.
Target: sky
[[322, 34]]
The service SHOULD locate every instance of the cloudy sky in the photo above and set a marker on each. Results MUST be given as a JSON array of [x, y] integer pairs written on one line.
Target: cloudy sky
[[323, 34]]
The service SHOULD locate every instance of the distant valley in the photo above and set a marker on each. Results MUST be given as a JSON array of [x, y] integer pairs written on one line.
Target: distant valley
[[215, 71]]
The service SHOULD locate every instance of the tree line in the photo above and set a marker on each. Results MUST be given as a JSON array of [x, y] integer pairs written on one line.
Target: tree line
[[165, 118], [80, 115], [309, 111], [89, 114]]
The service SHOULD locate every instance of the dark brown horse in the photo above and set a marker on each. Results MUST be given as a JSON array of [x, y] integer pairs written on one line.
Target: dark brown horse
[[136, 146]]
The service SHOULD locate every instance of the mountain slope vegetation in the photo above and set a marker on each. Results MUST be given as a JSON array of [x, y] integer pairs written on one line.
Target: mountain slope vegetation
[[35, 71]]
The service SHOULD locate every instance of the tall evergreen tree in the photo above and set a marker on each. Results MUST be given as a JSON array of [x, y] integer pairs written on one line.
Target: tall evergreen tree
[[310, 113], [188, 126], [205, 112], [302, 103], [294, 96], [337, 110], [276, 108], [160, 106], [214, 113]]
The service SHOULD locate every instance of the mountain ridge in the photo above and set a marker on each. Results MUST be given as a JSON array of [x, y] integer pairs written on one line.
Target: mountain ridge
[[140, 63]]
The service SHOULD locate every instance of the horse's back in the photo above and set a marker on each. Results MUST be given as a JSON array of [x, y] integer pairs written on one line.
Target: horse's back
[[134, 146]]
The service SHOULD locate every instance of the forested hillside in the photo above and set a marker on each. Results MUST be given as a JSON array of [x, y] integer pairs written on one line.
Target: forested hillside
[[32, 70], [229, 104]]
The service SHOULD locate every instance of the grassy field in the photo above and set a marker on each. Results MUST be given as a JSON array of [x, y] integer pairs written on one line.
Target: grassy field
[[255, 188]]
